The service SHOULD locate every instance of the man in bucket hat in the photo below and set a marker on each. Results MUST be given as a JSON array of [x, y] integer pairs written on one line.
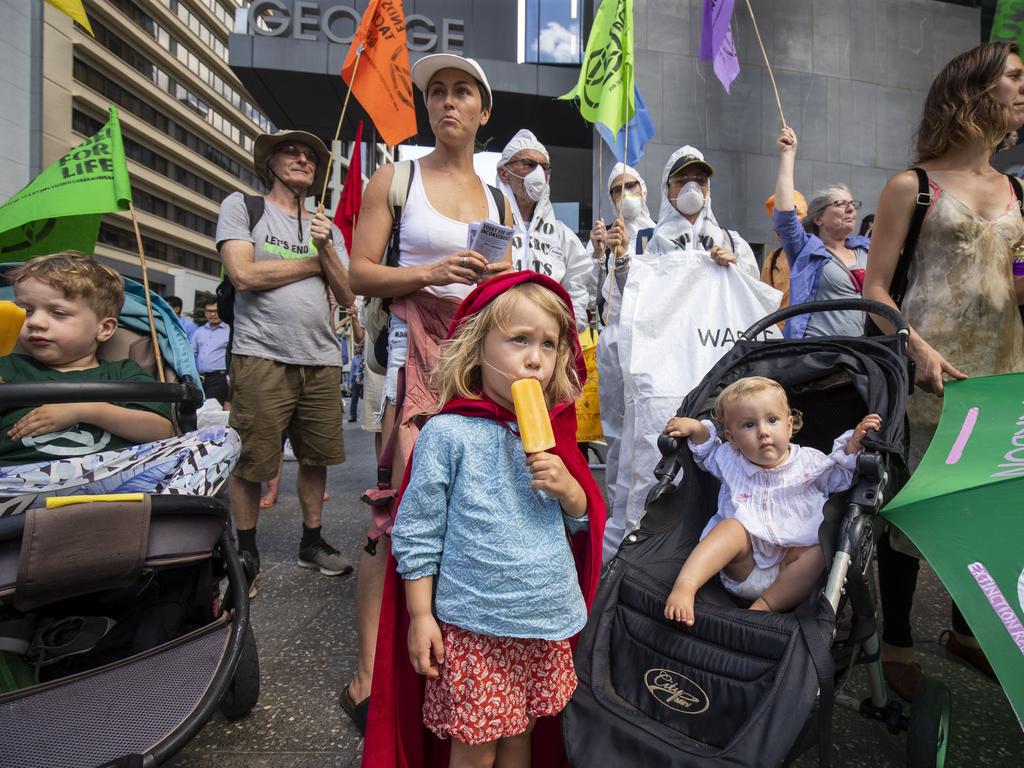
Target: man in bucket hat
[[285, 370]]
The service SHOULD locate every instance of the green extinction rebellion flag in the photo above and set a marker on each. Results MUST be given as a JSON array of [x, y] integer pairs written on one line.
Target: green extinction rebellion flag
[[964, 509], [605, 88], [61, 208], [1008, 23]]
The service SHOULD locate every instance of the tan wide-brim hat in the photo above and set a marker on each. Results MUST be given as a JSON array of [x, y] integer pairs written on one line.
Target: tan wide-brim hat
[[267, 142]]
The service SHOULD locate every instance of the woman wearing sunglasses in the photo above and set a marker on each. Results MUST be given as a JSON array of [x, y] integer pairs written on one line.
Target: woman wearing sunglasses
[[827, 259]]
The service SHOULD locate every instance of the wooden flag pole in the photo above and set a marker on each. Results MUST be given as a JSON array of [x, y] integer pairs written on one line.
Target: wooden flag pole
[[771, 76], [149, 301], [337, 131]]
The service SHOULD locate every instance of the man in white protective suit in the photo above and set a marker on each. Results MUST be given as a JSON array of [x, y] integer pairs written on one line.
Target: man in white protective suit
[[628, 194], [541, 242], [684, 302]]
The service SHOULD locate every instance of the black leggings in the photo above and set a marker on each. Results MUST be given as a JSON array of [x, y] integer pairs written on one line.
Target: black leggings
[[897, 580]]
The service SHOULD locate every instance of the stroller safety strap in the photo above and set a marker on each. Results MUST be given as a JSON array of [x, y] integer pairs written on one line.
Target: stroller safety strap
[[79, 549]]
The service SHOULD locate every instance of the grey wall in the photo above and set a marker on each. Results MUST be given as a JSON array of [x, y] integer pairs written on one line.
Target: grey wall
[[20, 94], [852, 75]]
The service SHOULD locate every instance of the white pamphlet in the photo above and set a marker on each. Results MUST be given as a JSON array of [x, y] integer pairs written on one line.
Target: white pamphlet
[[488, 239]]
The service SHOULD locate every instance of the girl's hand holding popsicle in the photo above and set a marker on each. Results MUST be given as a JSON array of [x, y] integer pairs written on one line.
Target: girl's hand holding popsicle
[[549, 473]]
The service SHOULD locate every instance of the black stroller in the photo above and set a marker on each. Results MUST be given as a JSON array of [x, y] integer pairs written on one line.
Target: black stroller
[[744, 688], [117, 605]]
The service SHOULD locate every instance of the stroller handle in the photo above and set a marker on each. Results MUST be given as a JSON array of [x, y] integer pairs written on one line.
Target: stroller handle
[[808, 307], [23, 395]]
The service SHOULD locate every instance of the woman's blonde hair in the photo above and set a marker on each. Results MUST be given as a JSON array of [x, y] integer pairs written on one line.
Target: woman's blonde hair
[[959, 109], [744, 388], [457, 373]]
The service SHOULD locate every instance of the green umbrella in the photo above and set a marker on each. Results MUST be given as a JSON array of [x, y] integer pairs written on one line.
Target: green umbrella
[[964, 509]]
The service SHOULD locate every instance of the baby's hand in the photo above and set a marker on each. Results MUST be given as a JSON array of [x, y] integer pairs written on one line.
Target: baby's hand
[[426, 646], [683, 427], [871, 421]]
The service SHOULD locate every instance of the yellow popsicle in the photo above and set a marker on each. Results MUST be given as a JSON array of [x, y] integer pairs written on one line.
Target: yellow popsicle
[[532, 415], [12, 317]]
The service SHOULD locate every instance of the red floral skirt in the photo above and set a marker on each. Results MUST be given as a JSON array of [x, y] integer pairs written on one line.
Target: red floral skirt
[[491, 687]]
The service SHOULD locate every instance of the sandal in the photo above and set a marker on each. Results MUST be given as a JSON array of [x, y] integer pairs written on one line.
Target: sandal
[[266, 503], [973, 656], [902, 677], [357, 712]]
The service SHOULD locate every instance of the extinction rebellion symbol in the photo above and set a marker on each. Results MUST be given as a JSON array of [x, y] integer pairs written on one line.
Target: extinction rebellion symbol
[[676, 691]]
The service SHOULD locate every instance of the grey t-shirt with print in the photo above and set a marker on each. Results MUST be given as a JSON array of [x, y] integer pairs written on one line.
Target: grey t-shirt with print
[[292, 323]]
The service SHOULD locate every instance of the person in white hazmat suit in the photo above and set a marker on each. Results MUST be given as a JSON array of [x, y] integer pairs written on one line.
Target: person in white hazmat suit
[[541, 242], [686, 298], [627, 186]]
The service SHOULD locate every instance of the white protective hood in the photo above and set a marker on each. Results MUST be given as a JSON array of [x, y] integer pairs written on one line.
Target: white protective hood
[[544, 244]]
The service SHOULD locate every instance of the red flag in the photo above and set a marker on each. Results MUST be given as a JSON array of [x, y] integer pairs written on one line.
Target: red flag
[[351, 198], [383, 84]]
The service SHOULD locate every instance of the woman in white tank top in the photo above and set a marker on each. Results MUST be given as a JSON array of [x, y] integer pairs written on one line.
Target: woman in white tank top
[[435, 272]]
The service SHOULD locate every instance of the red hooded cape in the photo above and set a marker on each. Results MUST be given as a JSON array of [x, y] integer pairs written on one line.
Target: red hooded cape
[[395, 735]]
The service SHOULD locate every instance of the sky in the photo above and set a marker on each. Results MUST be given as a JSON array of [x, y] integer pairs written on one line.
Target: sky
[[552, 30]]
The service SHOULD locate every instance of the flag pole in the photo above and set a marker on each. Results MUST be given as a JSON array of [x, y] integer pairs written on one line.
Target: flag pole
[[771, 76], [337, 131], [149, 301]]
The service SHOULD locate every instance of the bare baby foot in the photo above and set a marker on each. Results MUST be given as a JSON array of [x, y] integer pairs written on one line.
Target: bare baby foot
[[679, 606]]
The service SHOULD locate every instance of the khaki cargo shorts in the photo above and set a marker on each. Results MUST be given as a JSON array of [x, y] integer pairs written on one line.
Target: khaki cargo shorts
[[268, 398]]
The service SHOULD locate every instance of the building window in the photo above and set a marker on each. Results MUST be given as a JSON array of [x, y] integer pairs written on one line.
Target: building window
[[550, 31]]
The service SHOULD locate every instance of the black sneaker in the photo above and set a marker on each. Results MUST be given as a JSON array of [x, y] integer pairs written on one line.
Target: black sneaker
[[325, 558]]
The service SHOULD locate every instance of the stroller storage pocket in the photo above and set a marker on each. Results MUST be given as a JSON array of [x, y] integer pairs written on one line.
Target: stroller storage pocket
[[704, 682]]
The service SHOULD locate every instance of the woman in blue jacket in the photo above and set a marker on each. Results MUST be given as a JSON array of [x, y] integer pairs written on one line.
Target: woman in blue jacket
[[827, 260]]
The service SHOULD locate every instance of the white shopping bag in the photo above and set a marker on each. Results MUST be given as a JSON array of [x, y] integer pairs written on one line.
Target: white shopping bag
[[680, 313], [211, 414]]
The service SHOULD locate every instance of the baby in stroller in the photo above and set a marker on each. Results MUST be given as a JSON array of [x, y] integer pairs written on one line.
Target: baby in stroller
[[764, 536], [71, 304]]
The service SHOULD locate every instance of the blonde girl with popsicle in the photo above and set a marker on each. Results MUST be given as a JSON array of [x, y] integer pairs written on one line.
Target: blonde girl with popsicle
[[494, 588]]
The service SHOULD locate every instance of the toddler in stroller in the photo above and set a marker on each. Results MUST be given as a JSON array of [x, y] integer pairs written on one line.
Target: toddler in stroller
[[66, 448], [755, 688], [764, 536], [118, 637]]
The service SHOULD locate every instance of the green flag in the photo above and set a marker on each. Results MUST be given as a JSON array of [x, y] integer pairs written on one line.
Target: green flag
[[605, 88], [964, 509], [1008, 23], [61, 208]]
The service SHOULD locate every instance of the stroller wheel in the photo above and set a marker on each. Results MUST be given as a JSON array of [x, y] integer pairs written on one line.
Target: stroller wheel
[[928, 732], [244, 690]]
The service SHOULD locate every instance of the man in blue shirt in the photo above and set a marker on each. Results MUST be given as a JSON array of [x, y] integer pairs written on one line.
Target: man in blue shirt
[[186, 321], [210, 346]]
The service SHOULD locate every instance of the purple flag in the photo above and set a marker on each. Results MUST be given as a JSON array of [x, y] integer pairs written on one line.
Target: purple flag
[[716, 40]]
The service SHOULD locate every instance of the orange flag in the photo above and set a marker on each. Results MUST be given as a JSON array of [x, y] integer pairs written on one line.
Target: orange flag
[[382, 81]]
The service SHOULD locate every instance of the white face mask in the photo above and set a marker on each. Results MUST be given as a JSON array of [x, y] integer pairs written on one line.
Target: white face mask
[[631, 206], [690, 199], [535, 183]]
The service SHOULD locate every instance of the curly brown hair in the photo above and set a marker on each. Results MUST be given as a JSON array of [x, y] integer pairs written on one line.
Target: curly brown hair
[[960, 109], [76, 275]]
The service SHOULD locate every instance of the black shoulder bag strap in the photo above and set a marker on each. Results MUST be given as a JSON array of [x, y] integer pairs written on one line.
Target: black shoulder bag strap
[[1018, 191], [821, 657], [898, 285], [499, 202]]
